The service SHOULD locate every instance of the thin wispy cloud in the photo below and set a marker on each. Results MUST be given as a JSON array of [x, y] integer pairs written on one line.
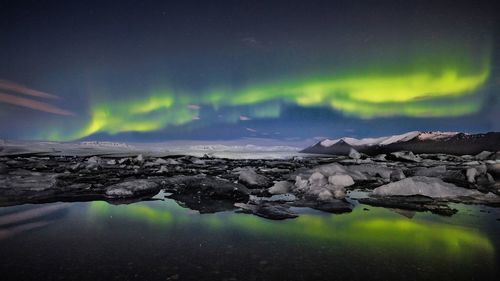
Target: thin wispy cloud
[[18, 88], [12, 96], [33, 104]]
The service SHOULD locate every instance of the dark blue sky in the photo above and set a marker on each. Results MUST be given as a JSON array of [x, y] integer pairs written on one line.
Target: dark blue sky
[[155, 71]]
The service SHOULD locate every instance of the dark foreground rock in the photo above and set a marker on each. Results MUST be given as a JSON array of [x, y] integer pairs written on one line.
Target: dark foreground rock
[[202, 205], [268, 210], [206, 187], [266, 188], [414, 202], [205, 194], [132, 188], [23, 187], [334, 206]]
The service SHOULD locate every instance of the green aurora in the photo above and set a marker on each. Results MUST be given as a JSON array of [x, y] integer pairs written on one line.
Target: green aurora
[[414, 89]]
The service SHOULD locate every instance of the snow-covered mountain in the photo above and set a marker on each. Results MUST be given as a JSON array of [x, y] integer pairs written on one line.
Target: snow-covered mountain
[[416, 141]]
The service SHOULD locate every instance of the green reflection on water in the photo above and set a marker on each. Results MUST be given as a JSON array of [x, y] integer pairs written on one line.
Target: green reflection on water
[[134, 211], [377, 229]]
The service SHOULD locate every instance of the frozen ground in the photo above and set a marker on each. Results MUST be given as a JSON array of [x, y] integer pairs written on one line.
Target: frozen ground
[[221, 149]]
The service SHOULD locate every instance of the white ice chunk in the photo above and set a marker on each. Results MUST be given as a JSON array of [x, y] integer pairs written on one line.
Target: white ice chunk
[[432, 187]]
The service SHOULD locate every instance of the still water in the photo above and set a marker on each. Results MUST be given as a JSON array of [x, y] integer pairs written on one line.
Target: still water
[[160, 240]]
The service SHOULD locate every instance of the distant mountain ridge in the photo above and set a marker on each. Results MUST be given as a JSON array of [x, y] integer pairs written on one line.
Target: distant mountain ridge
[[456, 143]]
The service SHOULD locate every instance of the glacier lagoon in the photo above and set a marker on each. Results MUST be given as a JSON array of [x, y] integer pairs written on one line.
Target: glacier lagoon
[[161, 240]]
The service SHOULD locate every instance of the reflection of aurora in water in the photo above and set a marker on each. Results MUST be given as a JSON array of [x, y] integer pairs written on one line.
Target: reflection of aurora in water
[[430, 89], [378, 228]]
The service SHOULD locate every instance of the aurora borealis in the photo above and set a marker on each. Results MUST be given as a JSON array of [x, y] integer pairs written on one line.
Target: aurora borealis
[[159, 71], [361, 97]]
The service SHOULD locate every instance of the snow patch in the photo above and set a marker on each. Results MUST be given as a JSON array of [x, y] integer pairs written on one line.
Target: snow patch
[[436, 135], [400, 138], [328, 142]]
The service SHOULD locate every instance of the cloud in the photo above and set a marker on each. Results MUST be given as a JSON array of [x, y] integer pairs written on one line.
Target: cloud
[[12, 99], [33, 104], [14, 87]]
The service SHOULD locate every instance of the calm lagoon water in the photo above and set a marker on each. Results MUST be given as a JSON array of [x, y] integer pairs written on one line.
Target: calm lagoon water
[[159, 240]]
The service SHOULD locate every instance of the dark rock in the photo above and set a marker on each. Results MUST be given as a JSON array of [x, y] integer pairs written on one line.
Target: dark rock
[[251, 179], [125, 161], [494, 170], [199, 203], [495, 156], [437, 171], [405, 156], [3, 169], [414, 202], [132, 188], [208, 187], [455, 177], [22, 186], [397, 175], [366, 184], [259, 192], [336, 206], [268, 210]]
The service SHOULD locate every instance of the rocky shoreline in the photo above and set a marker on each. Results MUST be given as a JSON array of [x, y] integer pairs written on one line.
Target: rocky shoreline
[[268, 188]]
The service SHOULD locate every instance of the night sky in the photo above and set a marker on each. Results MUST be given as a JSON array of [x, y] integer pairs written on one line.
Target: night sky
[[221, 70]]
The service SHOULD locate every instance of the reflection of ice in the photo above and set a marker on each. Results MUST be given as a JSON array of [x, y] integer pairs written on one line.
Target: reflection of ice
[[22, 221]]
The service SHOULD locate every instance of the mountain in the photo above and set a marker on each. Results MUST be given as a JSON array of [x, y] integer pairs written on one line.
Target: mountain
[[418, 142]]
